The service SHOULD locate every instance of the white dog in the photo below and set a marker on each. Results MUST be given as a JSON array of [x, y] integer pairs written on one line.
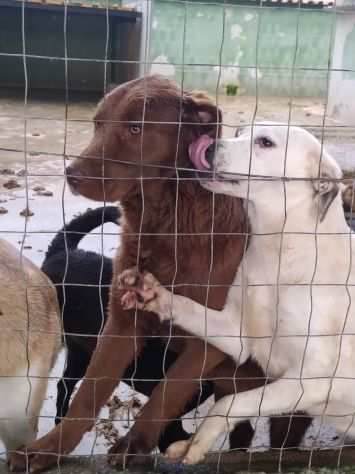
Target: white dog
[[290, 306]]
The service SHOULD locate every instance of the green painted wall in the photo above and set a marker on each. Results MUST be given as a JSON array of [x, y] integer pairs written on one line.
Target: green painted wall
[[256, 46]]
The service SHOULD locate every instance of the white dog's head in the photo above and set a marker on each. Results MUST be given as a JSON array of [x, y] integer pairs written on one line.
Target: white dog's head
[[257, 163]]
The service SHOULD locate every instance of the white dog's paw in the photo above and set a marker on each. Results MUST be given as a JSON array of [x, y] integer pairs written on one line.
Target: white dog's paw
[[144, 291], [195, 454], [129, 278], [177, 450]]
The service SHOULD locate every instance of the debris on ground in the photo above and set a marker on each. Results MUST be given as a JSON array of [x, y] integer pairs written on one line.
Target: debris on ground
[[3, 210], [118, 410], [26, 212], [42, 191], [38, 189], [11, 184], [45, 193], [6, 171], [109, 432], [115, 405]]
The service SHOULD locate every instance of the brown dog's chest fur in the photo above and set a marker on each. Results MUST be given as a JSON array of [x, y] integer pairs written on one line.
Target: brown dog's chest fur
[[176, 242]]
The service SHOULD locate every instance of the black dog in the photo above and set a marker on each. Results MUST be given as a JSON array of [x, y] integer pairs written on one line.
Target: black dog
[[82, 279]]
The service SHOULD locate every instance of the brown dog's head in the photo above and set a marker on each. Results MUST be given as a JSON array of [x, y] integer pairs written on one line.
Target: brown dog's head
[[137, 134]]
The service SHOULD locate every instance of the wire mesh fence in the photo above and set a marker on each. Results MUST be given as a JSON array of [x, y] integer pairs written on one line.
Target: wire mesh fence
[[225, 273]]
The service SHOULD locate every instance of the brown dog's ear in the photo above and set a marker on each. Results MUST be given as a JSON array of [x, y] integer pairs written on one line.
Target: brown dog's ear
[[198, 108]]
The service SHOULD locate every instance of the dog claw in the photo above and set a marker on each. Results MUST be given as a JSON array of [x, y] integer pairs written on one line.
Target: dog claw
[[129, 278], [128, 300], [141, 288], [140, 298]]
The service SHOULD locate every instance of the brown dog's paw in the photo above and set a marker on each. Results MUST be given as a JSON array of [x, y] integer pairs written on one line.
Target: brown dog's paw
[[123, 453], [18, 461], [118, 454], [37, 456], [25, 460]]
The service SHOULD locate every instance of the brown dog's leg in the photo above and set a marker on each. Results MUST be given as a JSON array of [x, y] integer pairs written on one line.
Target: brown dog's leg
[[167, 401], [110, 359]]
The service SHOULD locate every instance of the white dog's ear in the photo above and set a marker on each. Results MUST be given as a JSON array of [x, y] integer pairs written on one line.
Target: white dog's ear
[[238, 131], [327, 187]]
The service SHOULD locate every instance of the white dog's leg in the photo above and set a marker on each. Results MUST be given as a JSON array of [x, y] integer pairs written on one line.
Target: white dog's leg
[[282, 396], [222, 329]]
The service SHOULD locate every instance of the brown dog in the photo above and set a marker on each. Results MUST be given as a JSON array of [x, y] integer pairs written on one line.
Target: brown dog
[[139, 156]]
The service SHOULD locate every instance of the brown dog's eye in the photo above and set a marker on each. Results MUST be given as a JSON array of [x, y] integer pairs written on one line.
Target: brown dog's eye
[[264, 142], [135, 129]]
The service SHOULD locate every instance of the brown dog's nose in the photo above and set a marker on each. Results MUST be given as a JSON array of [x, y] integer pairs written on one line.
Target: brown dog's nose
[[73, 175]]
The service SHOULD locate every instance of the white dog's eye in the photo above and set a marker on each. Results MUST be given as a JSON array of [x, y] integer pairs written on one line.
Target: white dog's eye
[[264, 142]]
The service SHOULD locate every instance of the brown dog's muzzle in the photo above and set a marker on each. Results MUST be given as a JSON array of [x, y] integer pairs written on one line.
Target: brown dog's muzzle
[[87, 183], [75, 177]]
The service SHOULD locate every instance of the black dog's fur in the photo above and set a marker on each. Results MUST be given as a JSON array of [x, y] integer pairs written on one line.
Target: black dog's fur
[[82, 279]]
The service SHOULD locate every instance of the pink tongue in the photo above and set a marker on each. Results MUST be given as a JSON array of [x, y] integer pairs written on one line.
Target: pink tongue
[[197, 152]]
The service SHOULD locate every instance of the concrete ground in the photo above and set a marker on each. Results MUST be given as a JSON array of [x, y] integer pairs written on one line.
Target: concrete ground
[[36, 144]]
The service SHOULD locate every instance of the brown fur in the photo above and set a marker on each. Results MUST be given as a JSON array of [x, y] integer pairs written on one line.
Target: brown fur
[[151, 207]]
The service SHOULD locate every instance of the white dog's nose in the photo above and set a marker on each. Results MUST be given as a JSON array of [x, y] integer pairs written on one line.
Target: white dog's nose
[[209, 154]]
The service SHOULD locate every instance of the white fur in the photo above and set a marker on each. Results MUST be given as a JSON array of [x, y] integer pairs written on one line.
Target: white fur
[[290, 306], [19, 394]]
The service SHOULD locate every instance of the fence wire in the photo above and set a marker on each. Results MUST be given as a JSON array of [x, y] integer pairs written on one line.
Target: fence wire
[[154, 372]]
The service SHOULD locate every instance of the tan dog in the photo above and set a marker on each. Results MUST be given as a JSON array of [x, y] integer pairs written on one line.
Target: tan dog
[[29, 342]]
